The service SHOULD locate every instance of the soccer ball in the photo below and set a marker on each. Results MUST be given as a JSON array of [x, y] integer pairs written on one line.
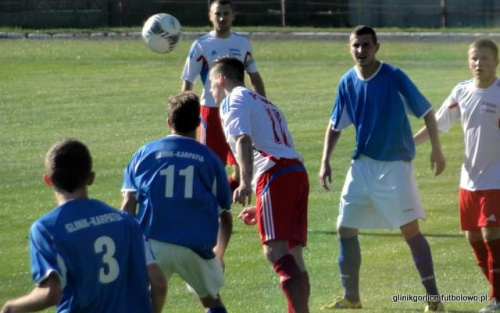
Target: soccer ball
[[161, 32]]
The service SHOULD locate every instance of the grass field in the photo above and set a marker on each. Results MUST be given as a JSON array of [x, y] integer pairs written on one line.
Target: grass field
[[111, 95]]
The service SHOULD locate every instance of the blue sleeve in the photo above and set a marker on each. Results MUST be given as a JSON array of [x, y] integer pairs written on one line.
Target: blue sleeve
[[414, 100], [129, 175], [44, 257], [340, 118]]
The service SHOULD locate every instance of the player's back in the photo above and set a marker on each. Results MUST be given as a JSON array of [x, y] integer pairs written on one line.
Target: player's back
[[98, 253], [181, 184]]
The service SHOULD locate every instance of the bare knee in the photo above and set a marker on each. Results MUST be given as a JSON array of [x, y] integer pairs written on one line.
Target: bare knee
[[209, 302], [346, 232], [275, 250]]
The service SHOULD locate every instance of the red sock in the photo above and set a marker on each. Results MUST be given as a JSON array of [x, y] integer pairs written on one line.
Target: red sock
[[494, 267], [292, 284], [481, 252]]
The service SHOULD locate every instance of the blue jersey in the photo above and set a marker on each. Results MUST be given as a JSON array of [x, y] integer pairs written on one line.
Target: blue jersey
[[378, 108], [98, 254], [180, 186]]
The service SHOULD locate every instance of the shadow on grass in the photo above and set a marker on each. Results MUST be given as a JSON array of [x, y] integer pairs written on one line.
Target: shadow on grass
[[383, 234]]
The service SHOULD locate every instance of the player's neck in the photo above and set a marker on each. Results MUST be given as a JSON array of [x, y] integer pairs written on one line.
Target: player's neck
[[368, 70], [220, 34], [64, 196], [191, 134], [485, 83]]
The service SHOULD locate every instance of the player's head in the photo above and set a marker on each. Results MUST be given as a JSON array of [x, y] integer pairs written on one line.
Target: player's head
[[222, 16], [184, 113], [226, 73], [363, 45], [483, 59], [68, 166]]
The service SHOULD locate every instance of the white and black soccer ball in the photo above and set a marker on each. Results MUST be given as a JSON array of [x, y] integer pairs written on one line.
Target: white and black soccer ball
[[161, 32]]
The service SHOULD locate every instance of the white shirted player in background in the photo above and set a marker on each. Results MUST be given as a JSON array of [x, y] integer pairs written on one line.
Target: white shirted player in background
[[476, 102], [258, 135], [221, 41]]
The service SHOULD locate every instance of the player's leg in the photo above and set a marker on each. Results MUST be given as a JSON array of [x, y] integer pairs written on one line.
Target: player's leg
[[290, 274], [281, 214], [297, 252], [476, 241]]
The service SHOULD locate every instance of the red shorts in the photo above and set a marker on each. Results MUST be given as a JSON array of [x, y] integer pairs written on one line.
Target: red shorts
[[211, 134], [479, 209], [281, 203]]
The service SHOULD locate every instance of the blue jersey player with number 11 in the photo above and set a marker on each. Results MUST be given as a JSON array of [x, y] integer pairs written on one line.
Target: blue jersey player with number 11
[[85, 255], [181, 189]]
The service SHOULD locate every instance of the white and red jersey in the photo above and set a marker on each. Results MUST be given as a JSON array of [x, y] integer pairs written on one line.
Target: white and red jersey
[[244, 111], [206, 49], [479, 110]]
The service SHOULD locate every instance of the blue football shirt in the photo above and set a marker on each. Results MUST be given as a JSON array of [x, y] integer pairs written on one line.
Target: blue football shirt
[[98, 254], [181, 187], [378, 109]]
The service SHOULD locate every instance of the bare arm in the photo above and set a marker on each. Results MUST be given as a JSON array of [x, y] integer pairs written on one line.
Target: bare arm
[[48, 294], [257, 83], [421, 136], [225, 230], [437, 159], [244, 158], [187, 86], [325, 172], [129, 203], [158, 284]]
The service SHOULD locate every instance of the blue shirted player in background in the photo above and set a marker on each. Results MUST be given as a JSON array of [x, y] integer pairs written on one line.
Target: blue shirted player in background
[[380, 189], [85, 255], [181, 189]]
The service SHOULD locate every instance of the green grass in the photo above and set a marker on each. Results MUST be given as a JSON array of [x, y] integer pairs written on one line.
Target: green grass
[[111, 94]]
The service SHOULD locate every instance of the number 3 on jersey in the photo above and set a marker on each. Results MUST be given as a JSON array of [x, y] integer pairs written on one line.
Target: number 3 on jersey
[[171, 177], [110, 269]]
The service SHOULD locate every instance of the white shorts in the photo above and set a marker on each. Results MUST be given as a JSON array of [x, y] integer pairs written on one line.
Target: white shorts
[[203, 276], [379, 194]]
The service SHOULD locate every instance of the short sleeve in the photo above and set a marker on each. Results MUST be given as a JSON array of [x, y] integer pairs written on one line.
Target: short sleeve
[[44, 257], [340, 118], [193, 65], [448, 113], [415, 102]]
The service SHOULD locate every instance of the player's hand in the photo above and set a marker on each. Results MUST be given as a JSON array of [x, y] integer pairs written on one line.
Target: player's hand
[[220, 259], [325, 175], [438, 162], [243, 194], [248, 215]]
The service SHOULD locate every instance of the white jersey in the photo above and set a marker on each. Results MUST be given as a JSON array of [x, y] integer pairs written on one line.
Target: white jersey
[[206, 49], [246, 112], [479, 110]]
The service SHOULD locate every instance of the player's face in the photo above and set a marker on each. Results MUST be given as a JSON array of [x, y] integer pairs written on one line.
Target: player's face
[[483, 64], [216, 89], [363, 50], [222, 17]]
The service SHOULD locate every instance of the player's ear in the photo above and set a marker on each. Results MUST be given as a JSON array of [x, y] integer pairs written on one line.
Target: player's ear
[[91, 179], [47, 181], [170, 124]]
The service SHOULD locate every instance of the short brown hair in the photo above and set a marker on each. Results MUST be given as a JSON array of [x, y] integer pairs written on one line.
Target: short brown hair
[[68, 163], [485, 43], [365, 30], [230, 67], [184, 111]]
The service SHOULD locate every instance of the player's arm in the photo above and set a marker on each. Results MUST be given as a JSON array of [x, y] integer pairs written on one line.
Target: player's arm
[[187, 86], [325, 172], [225, 230], [129, 203], [244, 158], [158, 284], [437, 159], [46, 295], [257, 83]]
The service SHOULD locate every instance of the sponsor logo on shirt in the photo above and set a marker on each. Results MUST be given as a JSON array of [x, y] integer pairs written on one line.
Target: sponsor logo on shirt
[[235, 52], [488, 107]]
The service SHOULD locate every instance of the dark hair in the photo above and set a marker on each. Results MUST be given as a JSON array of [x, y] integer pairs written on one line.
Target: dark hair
[[365, 30], [230, 67], [485, 43], [184, 111], [221, 2], [68, 163]]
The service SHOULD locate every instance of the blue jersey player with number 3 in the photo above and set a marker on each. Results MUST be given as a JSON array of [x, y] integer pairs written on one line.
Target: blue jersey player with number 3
[[85, 255], [184, 200]]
